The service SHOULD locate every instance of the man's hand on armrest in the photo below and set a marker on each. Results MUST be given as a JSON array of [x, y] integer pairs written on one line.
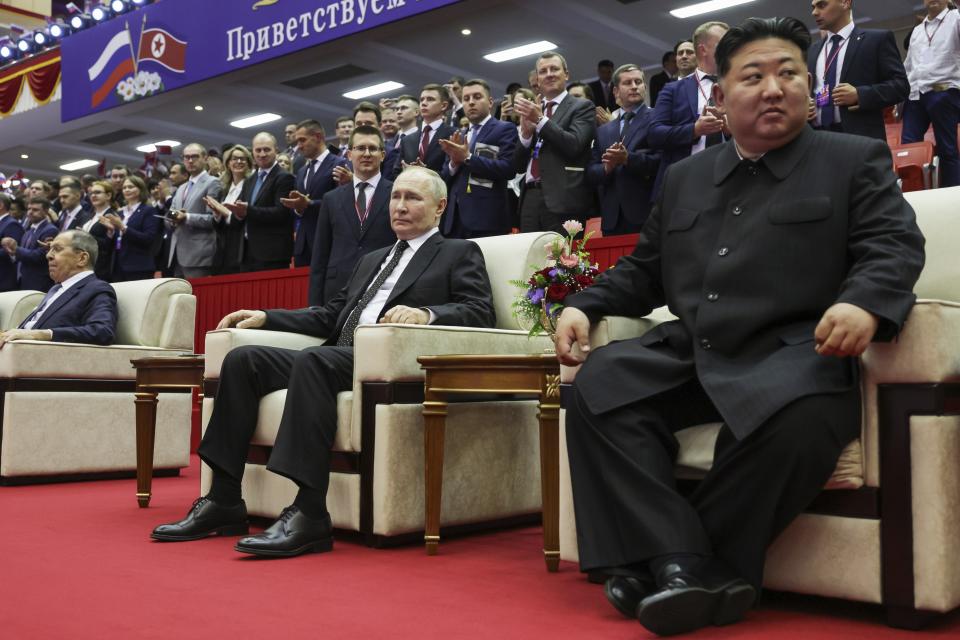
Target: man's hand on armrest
[[845, 330], [572, 327], [244, 319], [25, 334], [405, 315]]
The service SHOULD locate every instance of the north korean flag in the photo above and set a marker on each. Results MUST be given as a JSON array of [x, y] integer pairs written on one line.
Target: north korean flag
[[157, 45]]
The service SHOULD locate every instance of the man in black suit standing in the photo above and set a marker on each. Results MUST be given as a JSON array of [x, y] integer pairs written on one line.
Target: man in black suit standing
[[423, 278], [424, 148], [668, 74], [554, 150], [602, 87], [856, 72], [353, 220], [72, 213], [783, 252], [268, 225], [312, 182]]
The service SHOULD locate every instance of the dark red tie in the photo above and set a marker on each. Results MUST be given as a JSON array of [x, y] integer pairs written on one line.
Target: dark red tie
[[535, 162], [424, 143]]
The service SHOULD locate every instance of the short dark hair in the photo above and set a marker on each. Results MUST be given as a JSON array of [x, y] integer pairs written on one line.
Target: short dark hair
[[587, 91], [120, 167], [182, 166], [366, 130], [457, 79], [668, 55], [676, 47], [479, 83], [311, 126], [367, 107], [343, 119], [43, 202], [789, 29], [605, 63], [440, 89]]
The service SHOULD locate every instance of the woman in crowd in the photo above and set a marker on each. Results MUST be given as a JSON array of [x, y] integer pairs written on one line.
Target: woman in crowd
[[136, 232], [215, 167], [284, 161], [99, 226], [239, 162]]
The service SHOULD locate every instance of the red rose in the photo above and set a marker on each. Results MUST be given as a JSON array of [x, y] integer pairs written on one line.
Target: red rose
[[557, 292], [584, 281]]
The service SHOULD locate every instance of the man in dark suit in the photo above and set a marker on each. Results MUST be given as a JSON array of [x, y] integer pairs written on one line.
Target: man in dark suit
[[781, 267], [554, 150], [856, 72], [422, 279], [624, 167], [667, 74], [268, 225], [312, 182], [353, 219], [11, 228], [30, 253], [685, 120], [480, 161], [424, 148], [79, 307], [602, 87], [72, 213]]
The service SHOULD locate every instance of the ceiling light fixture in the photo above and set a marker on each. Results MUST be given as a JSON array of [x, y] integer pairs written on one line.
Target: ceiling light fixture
[[24, 156], [705, 7], [198, 107], [150, 148], [520, 52], [372, 90], [465, 32], [79, 164], [252, 121]]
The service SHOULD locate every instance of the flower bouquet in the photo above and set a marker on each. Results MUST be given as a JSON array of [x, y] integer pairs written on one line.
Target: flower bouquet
[[568, 270]]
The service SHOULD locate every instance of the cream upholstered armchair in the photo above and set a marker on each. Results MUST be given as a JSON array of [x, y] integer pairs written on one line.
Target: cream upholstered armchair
[[886, 528], [492, 469], [68, 410]]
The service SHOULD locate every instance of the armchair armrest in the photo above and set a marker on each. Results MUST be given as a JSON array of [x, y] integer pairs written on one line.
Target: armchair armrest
[[17, 305], [219, 342]]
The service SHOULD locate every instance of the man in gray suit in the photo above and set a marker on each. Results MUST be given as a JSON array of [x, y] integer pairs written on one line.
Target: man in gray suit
[[554, 150], [194, 240]]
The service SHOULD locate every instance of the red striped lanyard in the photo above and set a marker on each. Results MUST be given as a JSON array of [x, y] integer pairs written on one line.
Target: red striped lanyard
[[930, 37], [362, 217], [833, 58], [706, 98]]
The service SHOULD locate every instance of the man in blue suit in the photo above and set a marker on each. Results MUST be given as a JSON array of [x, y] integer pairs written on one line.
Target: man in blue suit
[[79, 307], [479, 163], [11, 228], [354, 219], [624, 168], [313, 180], [29, 253], [856, 72], [685, 120]]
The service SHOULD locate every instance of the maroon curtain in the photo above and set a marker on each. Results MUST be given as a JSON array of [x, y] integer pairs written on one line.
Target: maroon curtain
[[42, 74]]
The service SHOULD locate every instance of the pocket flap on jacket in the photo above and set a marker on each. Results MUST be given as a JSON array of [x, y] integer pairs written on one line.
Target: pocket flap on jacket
[[682, 219], [805, 210]]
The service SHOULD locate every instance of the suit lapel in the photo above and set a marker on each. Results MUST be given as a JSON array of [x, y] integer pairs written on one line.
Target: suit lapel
[[380, 195], [65, 297], [325, 167], [561, 111], [853, 46], [267, 185], [692, 89], [350, 209], [631, 130], [418, 264]]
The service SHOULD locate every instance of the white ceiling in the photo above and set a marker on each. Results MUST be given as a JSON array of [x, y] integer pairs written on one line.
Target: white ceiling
[[423, 49]]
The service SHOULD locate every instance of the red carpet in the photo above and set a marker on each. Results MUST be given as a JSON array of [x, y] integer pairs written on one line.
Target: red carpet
[[77, 563]]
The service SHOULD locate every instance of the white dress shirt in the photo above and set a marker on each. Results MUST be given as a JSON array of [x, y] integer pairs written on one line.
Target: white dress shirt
[[312, 166], [704, 92], [436, 124], [934, 54], [369, 190], [469, 141], [821, 75], [412, 131], [372, 311], [66, 284], [70, 215], [540, 125]]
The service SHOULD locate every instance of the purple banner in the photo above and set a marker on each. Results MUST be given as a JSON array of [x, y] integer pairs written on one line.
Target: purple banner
[[173, 43]]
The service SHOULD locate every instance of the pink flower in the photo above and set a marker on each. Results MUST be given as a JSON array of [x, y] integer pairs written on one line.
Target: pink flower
[[572, 227], [569, 261]]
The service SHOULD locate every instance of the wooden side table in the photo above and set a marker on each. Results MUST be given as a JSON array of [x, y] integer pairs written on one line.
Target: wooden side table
[[161, 373], [448, 377]]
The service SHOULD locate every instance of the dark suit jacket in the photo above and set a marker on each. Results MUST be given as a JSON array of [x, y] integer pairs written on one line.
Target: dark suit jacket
[[32, 257], [749, 258], [482, 208], [86, 312], [78, 220], [564, 157], [269, 224], [600, 99], [871, 63], [657, 82], [674, 117], [105, 248], [340, 243], [446, 276], [410, 150], [139, 243], [321, 182], [627, 189], [10, 227]]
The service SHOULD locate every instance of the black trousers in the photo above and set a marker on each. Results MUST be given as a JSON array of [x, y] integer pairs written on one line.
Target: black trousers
[[312, 378], [535, 216], [628, 509]]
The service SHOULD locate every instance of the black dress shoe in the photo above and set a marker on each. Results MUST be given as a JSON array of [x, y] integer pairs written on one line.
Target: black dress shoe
[[205, 518], [292, 534], [626, 592], [687, 601]]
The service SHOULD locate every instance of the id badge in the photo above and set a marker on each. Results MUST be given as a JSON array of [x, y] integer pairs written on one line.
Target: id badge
[[823, 97]]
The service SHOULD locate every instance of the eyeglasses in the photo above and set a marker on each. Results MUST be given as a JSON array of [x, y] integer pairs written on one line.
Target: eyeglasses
[[365, 150], [238, 159]]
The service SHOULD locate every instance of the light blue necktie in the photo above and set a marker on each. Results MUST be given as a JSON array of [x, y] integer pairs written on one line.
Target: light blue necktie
[[261, 176]]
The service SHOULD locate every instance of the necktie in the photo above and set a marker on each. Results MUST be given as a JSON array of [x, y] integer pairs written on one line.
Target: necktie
[[42, 306], [399, 140], [535, 162], [308, 175], [346, 333], [625, 121], [473, 140], [424, 143], [362, 202], [186, 192], [830, 80], [261, 175]]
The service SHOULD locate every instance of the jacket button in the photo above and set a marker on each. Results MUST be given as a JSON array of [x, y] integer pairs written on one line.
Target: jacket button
[[737, 210], [723, 251], [705, 344], [713, 297], [752, 170]]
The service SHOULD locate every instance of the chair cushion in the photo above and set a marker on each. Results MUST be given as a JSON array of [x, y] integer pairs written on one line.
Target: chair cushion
[[17, 305], [142, 309], [271, 411], [36, 359], [937, 218]]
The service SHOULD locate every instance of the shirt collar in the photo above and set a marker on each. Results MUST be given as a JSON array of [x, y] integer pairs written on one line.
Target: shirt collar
[[779, 161], [373, 182], [560, 98], [411, 130], [419, 241], [846, 31], [323, 156], [436, 124], [267, 170], [482, 123], [940, 16], [198, 176], [77, 209], [4, 216], [701, 74], [74, 279]]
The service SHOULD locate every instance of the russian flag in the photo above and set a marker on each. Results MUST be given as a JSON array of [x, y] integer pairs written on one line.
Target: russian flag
[[111, 66]]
